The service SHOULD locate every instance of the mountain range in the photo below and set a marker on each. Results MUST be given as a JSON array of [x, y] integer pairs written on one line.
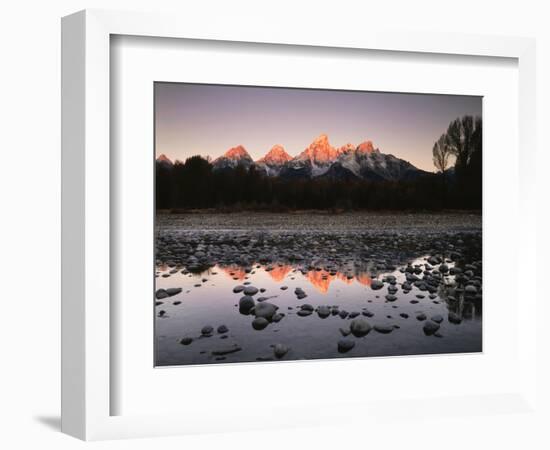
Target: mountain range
[[320, 159]]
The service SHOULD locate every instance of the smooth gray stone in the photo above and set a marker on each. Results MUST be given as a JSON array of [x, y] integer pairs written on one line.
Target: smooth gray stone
[[246, 303], [384, 329], [226, 351], [280, 350], [438, 318], [345, 345], [259, 323], [430, 327], [161, 293], [265, 309], [250, 290], [323, 312], [277, 317], [343, 314], [360, 327]]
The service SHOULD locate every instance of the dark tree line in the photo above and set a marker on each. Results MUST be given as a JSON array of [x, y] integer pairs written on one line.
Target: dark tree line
[[193, 184], [463, 140]]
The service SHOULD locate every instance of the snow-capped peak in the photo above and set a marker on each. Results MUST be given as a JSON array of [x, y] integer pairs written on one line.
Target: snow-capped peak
[[237, 152], [366, 147], [276, 156], [319, 151]]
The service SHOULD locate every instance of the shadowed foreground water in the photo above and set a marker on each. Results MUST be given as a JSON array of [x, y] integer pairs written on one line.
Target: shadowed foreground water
[[320, 279]]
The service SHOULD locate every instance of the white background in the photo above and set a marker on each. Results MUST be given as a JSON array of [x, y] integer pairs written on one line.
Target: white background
[[30, 81]]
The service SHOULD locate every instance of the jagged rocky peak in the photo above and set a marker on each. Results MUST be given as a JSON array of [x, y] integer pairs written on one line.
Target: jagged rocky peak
[[276, 156], [366, 147], [237, 152], [235, 156], [346, 148], [320, 151], [164, 159]]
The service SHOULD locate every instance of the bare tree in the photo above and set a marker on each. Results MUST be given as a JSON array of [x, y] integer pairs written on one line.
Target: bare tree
[[441, 154], [462, 139]]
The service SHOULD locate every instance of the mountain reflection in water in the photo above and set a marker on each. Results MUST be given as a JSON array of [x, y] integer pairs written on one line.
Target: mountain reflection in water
[[207, 299]]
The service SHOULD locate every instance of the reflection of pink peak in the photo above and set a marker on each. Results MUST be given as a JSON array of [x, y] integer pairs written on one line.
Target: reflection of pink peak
[[164, 158], [237, 152], [277, 155], [364, 279], [365, 147], [279, 273], [319, 151], [321, 279], [344, 278], [235, 272]]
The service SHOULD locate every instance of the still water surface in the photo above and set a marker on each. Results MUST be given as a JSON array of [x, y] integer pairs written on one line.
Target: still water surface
[[207, 298]]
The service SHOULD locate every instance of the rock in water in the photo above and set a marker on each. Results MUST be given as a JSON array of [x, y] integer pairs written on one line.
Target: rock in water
[[265, 310], [384, 329], [173, 291], [421, 316], [376, 284], [277, 317], [246, 303], [186, 341], [438, 318], [207, 330], [391, 298], [454, 318], [430, 327], [238, 289], [280, 350], [161, 293], [222, 329], [259, 323], [323, 312], [250, 290], [226, 351], [360, 327], [345, 345]]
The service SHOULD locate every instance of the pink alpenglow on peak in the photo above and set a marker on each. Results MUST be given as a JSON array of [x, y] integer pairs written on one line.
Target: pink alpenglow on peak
[[277, 155], [346, 148], [366, 147], [319, 151], [164, 160], [236, 153]]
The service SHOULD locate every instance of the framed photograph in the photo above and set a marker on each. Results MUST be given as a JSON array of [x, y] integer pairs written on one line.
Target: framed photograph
[[321, 245], [323, 208]]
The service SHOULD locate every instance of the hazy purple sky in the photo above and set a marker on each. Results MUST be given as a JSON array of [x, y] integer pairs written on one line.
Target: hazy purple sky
[[195, 119]]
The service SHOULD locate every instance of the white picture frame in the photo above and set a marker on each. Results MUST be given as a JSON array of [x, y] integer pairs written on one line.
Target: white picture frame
[[86, 216]]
